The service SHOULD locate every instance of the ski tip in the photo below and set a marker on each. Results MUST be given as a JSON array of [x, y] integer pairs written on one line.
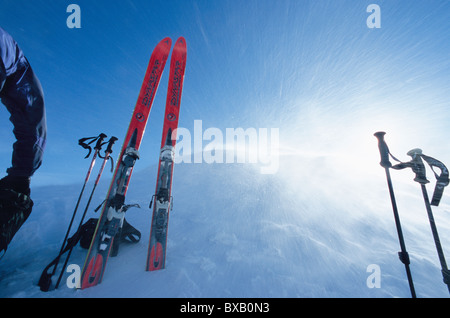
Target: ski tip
[[181, 41], [167, 41]]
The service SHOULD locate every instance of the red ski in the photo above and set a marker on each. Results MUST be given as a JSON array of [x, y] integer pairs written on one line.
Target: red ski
[[162, 199], [114, 208]]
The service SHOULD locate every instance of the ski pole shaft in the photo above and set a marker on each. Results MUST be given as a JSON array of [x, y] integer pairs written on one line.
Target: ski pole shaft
[[403, 254], [97, 148], [108, 152], [45, 280], [437, 241]]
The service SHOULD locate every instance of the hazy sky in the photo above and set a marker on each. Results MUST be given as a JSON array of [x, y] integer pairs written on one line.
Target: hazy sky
[[312, 69]]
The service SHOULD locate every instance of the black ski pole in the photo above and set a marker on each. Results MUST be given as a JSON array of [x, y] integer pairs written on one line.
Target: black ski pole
[[419, 169], [45, 279], [108, 152], [386, 164]]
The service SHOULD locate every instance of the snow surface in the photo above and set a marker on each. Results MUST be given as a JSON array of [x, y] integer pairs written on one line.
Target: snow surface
[[307, 231]]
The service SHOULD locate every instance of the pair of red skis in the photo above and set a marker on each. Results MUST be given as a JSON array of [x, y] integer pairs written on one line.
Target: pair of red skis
[[113, 211]]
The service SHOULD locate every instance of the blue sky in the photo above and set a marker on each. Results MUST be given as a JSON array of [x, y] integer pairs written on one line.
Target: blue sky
[[313, 69]]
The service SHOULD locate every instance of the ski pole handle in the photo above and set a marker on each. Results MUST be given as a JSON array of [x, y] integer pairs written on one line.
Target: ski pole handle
[[99, 143], [111, 142], [417, 165], [108, 151], [384, 150]]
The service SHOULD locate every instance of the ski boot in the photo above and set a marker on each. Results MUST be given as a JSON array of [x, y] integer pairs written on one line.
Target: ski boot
[[15, 207]]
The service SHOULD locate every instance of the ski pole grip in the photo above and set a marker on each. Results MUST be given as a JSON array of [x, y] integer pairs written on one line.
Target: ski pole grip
[[99, 143], [417, 165], [111, 142], [384, 150]]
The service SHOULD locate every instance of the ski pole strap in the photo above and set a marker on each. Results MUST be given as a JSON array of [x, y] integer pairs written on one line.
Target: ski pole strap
[[442, 179], [416, 164], [45, 280], [85, 143]]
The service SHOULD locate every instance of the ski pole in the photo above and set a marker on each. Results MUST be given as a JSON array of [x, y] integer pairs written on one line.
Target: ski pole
[[108, 152], [45, 280], [386, 164], [419, 169]]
